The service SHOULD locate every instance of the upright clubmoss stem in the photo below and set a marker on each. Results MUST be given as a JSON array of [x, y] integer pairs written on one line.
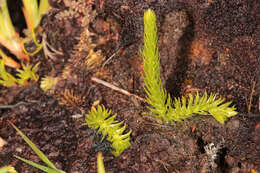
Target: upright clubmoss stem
[[156, 95]]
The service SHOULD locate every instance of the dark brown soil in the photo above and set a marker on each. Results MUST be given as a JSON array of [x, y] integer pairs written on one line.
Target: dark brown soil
[[211, 46]]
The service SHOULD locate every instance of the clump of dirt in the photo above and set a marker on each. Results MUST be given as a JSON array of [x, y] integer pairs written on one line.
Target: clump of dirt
[[230, 19], [198, 53]]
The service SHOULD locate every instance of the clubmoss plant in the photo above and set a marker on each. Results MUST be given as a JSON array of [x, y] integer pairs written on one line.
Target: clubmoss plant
[[161, 102], [156, 94], [113, 130]]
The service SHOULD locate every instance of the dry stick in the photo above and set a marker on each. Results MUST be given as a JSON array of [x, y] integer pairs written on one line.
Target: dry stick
[[251, 96], [112, 56], [13, 106], [116, 88]]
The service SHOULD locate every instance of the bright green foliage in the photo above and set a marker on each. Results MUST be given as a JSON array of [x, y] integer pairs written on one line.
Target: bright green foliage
[[27, 73], [157, 97], [7, 169], [24, 75], [50, 169], [110, 128], [6, 78], [204, 105]]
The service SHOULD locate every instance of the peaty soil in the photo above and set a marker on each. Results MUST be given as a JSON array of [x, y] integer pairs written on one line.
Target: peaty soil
[[211, 46]]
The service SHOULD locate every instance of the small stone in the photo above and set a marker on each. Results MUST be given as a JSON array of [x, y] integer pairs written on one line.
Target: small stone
[[54, 154], [19, 149]]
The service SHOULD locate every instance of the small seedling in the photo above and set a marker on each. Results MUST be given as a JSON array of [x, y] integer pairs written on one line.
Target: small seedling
[[27, 73], [24, 75]]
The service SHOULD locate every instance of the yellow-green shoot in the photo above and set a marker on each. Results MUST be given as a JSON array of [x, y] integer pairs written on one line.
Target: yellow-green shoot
[[161, 102], [100, 163], [6, 78], [24, 75], [156, 94], [7, 169]]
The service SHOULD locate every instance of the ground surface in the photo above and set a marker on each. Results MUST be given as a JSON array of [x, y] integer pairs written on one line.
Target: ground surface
[[209, 46]]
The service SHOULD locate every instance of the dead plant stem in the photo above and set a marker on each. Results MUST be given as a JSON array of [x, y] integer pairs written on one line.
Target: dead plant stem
[[116, 88]]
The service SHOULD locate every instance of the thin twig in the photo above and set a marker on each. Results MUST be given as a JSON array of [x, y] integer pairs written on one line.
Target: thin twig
[[259, 103], [116, 88], [251, 96], [109, 59], [13, 106]]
